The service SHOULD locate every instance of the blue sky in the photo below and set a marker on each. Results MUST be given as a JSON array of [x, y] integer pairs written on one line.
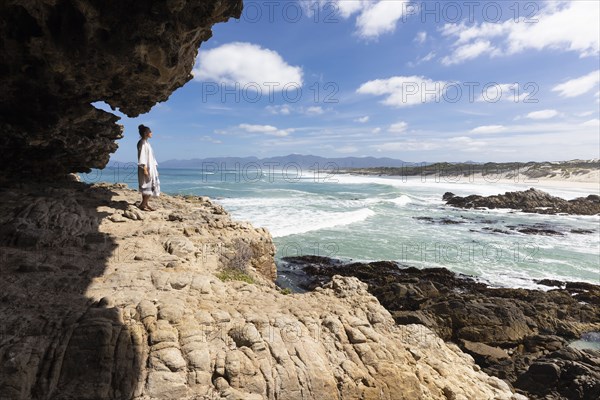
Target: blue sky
[[417, 81]]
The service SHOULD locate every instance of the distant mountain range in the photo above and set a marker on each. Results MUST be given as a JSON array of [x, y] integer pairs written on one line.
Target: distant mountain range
[[304, 161]]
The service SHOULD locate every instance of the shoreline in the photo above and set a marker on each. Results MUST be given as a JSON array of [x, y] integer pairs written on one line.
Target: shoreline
[[591, 184]]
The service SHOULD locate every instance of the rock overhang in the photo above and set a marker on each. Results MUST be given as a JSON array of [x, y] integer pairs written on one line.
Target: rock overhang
[[60, 56]]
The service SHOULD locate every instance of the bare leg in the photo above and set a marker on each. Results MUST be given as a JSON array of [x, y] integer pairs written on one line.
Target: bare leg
[[144, 203]]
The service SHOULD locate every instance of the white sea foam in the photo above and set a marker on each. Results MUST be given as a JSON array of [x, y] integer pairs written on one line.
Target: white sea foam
[[402, 200], [292, 221], [383, 211]]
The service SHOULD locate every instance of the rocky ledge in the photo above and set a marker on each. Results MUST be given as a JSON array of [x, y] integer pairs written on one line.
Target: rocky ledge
[[518, 335], [530, 201], [102, 301]]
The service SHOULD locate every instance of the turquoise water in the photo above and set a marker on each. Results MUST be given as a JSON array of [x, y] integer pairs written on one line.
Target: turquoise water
[[377, 218]]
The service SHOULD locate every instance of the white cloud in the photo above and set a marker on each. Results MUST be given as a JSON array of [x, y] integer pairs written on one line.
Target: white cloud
[[488, 129], [373, 17], [430, 56], [379, 18], [565, 26], [494, 92], [362, 120], [468, 51], [287, 110], [316, 110], [542, 114], [266, 129], [592, 123], [376, 130], [404, 91], [398, 127], [246, 64], [348, 7], [578, 86], [584, 114], [279, 110], [421, 37], [210, 139]]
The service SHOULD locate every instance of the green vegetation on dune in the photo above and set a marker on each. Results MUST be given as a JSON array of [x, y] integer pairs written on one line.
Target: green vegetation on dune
[[510, 170]]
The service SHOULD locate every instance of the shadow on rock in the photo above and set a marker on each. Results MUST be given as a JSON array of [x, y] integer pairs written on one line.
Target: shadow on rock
[[55, 342]]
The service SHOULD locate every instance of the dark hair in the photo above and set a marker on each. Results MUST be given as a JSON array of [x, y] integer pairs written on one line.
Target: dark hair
[[144, 130]]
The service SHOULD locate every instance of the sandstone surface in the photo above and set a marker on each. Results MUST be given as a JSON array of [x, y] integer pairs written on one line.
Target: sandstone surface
[[103, 301]]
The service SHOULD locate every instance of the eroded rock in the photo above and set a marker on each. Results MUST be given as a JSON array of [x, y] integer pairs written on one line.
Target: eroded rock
[[59, 56], [124, 328]]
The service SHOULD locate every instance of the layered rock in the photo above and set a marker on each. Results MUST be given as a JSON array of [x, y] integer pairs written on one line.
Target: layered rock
[[505, 330], [531, 201], [102, 301], [58, 56]]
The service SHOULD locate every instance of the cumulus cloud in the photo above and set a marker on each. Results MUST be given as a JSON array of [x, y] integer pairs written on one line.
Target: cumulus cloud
[[398, 127], [362, 120], [564, 26], [542, 114], [404, 91], [578, 86], [246, 64], [348, 7], [265, 129], [488, 129], [379, 18], [373, 18]]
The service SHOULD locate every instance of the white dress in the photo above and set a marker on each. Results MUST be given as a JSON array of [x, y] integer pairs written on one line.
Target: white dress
[[148, 185]]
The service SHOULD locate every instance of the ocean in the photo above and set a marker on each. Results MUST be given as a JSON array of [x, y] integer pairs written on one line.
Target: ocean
[[371, 218]]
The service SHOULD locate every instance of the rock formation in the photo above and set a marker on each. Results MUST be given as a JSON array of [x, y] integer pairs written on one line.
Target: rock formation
[[531, 201], [103, 301], [58, 56], [505, 330]]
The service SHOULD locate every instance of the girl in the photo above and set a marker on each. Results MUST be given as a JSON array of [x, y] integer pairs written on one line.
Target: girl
[[149, 184]]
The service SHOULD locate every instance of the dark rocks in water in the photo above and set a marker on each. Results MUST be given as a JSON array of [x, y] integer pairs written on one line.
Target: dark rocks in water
[[581, 231], [530, 201], [550, 282], [60, 56], [430, 219], [505, 330], [448, 221], [447, 196], [567, 373], [535, 231], [441, 221]]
